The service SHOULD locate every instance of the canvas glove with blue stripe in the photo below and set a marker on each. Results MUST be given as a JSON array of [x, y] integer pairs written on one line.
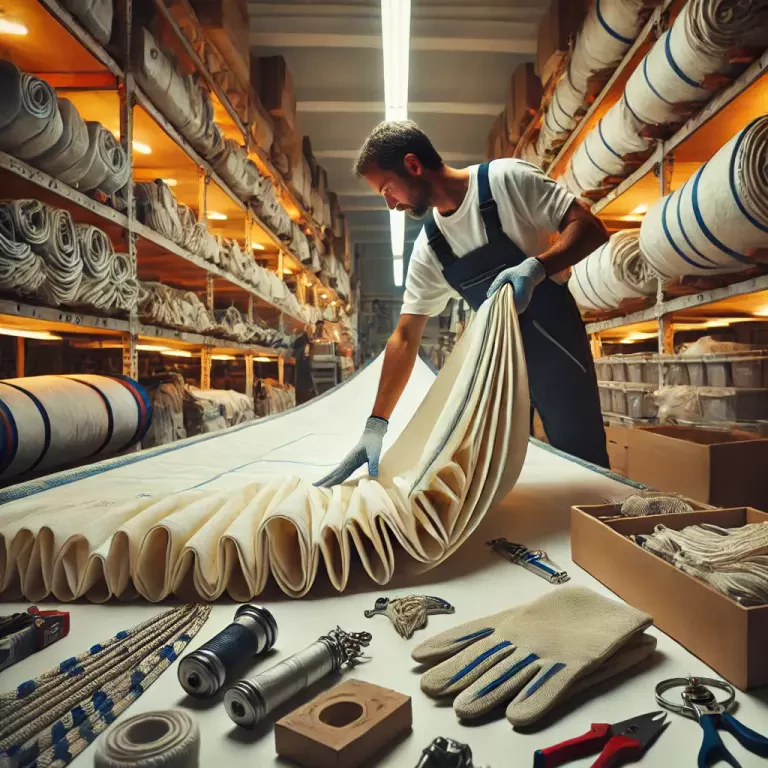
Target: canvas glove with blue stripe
[[534, 656], [368, 450], [523, 278]]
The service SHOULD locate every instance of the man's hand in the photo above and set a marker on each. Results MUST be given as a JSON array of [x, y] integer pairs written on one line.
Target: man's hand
[[367, 450], [523, 278]]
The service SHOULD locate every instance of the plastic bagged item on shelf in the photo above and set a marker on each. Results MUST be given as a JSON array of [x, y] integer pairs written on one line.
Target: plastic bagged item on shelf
[[614, 272], [63, 420], [166, 395], [95, 15], [22, 270], [708, 226], [235, 407], [201, 415], [609, 29], [663, 88], [195, 236], [732, 560], [70, 148], [640, 401], [240, 173], [707, 345], [270, 397], [30, 121], [163, 305], [156, 207]]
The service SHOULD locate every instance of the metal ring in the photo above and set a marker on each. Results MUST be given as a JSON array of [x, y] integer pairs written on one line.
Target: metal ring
[[682, 682]]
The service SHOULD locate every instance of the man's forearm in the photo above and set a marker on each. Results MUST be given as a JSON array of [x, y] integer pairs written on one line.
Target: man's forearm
[[399, 360], [581, 234]]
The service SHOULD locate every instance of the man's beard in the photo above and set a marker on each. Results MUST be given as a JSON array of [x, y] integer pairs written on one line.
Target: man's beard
[[422, 204]]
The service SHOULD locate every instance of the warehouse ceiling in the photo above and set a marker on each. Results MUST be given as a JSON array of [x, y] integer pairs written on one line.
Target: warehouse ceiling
[[462, 56]]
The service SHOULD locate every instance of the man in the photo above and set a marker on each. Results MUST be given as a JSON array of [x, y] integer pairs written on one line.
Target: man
[[484, 227]]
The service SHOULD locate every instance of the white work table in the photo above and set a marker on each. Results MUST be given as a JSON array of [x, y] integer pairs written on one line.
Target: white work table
[[477, 582]]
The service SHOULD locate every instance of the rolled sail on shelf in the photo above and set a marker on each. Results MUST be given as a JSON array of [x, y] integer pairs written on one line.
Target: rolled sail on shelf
[[716, 220], [51, 421]]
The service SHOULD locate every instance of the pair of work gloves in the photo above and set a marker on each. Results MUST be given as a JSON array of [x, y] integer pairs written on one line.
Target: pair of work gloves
[[523, 278], [534, 656]]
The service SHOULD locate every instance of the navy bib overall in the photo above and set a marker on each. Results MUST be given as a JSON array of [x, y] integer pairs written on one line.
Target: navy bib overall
[[561, 374]]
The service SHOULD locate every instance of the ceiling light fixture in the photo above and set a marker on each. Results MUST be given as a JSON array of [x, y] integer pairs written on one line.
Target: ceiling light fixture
[[223, 357], [150, 348], [39, 335], [215, 216], [323, 295], [397, 264], [175, 352], [169, 182], [262, 360], [396, 44], [138, 146], [12, 28], [257, 246]]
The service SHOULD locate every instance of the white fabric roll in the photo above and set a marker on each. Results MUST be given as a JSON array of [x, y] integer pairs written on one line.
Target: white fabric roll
[[614, 272], [461, 451], [68, 419], [609, 29], [21, 269], [157, 208], [234, 167], [30, 121], [122, 274], [62, 256], [195, 236], [94, 15], [106, 160], [72, 145], [670, 75], [95, 250], [711, 224]]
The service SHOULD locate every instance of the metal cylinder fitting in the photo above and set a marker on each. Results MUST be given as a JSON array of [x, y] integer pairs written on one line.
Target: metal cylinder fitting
[[249, 701], [203, 672]]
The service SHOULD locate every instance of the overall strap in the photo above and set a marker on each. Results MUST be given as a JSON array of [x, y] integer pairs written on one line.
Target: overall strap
[[488, 208], [437, 241]]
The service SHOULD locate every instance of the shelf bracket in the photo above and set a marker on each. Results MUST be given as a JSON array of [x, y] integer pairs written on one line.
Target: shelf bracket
[[203, 179], [205, 367], [249, 375], [281, 370], [130, 355], [209, 291], [250, 308], [20, 357]]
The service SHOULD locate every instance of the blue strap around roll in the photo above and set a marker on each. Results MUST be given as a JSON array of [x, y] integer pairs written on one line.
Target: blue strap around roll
[[107, 406], [143, 405], [608, 28], [43, 415], [9, 437], [674, 66]]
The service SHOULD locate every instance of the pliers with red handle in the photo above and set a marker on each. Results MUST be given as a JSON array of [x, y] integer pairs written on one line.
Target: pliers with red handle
[[620, 742]]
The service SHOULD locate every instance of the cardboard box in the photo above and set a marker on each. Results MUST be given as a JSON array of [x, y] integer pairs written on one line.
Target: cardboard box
[[723, 634], [727, 469], [523, 100], [225, 23], [617, 443], [558, 26], [276, 90]]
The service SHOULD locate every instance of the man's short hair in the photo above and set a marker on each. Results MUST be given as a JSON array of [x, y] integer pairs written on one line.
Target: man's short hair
[[389, 143]]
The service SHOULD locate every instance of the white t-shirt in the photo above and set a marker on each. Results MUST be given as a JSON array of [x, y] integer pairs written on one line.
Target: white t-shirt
[[531, 207]]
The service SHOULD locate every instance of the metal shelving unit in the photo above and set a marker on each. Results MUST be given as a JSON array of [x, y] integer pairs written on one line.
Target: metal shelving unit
[[670, 163], [99, 72]]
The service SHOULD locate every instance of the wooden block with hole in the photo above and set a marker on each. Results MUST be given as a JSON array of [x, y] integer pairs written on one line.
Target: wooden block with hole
[[343, 727]]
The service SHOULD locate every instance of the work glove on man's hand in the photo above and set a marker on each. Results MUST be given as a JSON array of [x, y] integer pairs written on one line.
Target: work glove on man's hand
[[535, 655], [523, 278], [368, 449]]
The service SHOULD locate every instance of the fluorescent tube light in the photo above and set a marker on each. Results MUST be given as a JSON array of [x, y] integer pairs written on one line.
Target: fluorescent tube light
[[397, 231], [175, 353], [216, 216], [12, 28], [396, 41], [397, 264], [40, 335]]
